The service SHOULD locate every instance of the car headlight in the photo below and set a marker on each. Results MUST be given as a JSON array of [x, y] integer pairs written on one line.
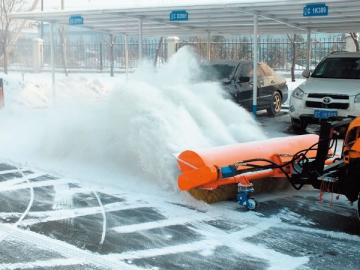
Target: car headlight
[[357, 98], [298, 93]]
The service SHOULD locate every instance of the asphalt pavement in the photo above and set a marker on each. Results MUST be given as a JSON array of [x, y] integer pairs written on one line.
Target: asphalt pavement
[[110, 229]]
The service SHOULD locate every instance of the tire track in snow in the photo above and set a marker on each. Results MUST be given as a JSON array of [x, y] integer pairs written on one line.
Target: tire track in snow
[[48, 263], [47, 216], [333, 234], [8, 171], [3, 236], [160, 224], [65, 249], [276, 259], [40, 184], [197, 246], [104, 219], [12, 182]]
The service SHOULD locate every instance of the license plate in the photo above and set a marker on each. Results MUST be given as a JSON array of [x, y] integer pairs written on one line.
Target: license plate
[[324, 114]]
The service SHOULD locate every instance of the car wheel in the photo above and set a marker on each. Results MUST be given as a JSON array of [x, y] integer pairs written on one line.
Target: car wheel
[[298, 125], [275, 105]]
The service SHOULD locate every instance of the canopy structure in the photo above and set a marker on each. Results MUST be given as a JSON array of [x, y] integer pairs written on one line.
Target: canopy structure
[[221, 18]]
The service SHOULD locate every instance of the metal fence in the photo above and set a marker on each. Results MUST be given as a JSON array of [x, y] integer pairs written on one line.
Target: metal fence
[[277, 53], [88, 56]]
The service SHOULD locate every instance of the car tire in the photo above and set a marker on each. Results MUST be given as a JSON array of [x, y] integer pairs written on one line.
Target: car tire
[[275, 105], [298, 125]]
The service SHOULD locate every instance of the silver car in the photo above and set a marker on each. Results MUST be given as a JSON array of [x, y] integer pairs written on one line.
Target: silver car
[[331, 91]]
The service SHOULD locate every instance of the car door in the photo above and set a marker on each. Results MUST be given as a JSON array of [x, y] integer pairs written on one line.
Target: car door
[[246, 89], [243, 95], [268, 86]]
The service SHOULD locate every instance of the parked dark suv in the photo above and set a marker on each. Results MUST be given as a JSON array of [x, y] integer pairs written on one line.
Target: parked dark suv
[[236, 77]]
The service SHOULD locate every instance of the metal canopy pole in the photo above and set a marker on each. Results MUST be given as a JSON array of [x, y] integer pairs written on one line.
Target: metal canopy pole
[[255, 65], [52, 64], [208, 47], [112, 53], [126, 57], [140, 40], [42, 23], [308, 49]]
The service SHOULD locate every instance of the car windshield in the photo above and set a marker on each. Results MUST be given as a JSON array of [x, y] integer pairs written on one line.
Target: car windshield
[[338, 68], [217, 72]]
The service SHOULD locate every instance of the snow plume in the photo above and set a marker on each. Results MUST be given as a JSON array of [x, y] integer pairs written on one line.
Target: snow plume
[[136, 129]]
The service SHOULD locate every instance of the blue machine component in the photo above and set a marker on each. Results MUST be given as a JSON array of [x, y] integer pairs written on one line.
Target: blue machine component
[[228, 171], [243, 197]]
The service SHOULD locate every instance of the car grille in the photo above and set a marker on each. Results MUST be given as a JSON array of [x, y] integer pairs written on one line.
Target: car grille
[[315, 100]]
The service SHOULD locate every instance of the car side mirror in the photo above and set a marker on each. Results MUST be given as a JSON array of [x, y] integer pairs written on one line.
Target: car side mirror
[[306, 73], [244, 79]]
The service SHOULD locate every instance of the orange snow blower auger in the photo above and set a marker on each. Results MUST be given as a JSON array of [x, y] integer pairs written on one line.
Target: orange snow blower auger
[[213, 167], [304, 159]]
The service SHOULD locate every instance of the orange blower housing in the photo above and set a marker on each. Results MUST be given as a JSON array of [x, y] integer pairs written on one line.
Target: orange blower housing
[[351, 148], [207, 168]]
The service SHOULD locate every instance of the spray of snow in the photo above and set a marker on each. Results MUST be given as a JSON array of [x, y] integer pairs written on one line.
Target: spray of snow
[[129, 131]]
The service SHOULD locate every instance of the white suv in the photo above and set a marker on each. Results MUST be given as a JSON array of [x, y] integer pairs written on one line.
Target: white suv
[[331, 90]]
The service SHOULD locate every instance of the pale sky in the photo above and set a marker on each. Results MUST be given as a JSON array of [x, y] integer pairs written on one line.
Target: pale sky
[[89, 4]]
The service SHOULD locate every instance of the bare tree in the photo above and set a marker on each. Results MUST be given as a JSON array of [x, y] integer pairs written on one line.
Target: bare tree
[[112, 54], [296, 53], [7, 7], [7, 25], [293, 57], [354, 37], [62, 33], [158, 51]]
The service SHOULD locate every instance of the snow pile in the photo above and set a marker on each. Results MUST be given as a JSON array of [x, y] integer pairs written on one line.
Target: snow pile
[[37, 92]]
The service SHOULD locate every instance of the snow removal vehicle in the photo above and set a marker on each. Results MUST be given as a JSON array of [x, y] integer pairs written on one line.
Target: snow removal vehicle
[[303, 160]]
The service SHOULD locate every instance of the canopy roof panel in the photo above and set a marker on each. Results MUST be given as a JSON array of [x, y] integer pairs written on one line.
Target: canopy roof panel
[[223, 18]]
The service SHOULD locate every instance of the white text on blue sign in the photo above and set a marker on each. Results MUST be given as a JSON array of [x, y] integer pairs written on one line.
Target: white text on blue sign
[[316, 10], [76, 20], [180, 15]]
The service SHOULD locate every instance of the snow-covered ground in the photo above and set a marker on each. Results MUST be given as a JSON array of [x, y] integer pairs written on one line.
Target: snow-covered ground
[[119, 135]]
